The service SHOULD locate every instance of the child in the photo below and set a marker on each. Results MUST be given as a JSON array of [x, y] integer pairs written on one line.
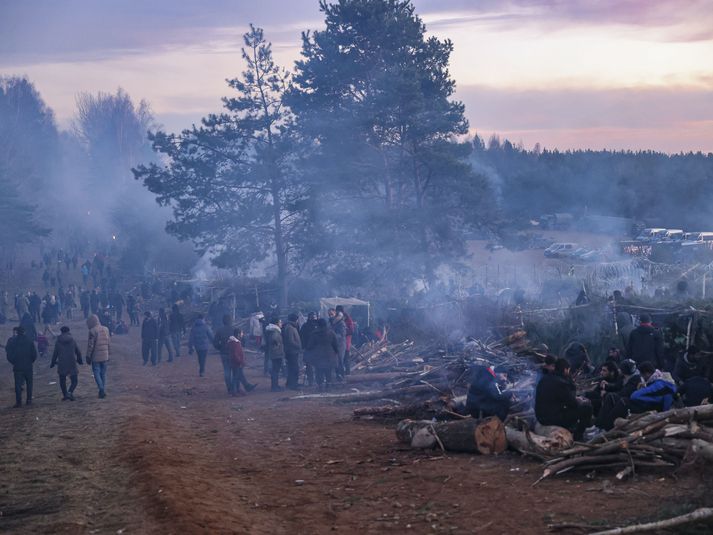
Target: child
[[237, 358], [43, 343]]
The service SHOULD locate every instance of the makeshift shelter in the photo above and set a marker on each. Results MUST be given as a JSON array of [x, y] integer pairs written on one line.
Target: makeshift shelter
[[356, 307]]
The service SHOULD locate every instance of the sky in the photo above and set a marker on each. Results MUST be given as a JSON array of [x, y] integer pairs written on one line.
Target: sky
[[567, 74]]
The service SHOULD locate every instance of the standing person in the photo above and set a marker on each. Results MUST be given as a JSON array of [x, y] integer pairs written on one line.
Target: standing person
[[29, 326], [22, 306], [21, 353], [275, 351], [66, 356], [98, 352], [117, 303], [256, 328], [84, 302], [220, 342], [34, 306], [237, 359], [293, 346], [177, 328], [94, 301], [132, 310], [646, 343], [149, 339], [324, 349], [200, 339], [164, 338], [305, 333], [340, 330]]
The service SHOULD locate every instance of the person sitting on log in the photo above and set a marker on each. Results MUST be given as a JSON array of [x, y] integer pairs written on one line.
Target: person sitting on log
[[616, 404], [610, 380], [484, 395], [694, 388], [659, 392], [578, 358], [547, 367], [556, 402]]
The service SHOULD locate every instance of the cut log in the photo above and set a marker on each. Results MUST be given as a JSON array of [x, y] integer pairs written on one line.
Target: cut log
[[559, 435], [471, 436], [531, 443], [416, 411]]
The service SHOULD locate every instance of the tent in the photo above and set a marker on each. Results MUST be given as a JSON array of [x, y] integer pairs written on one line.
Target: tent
[[349, 304]]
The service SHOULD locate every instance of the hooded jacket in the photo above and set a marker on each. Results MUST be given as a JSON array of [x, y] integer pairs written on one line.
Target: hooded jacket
[[658, 392], [98, 343], [149, 329], [66, 355], [484, 394], [29, 325], [555, 397], [274, 347], [646, 344], [200, 337]]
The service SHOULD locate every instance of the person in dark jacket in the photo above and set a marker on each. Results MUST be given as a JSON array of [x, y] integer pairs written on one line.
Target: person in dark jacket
[[94, 302], [164, 338], [305, 333], [237, 360], [220, 342], [616, 404], [576, 354], [29, 326], [275, 351], [200, 339], [688, 365], [610, 381], [658, 393], [556, 402], [324, 349], [84, 303], [22, 354], [646, 343], [66, 356], [293, 347], [176, 328], [484, 395], [149, 339]]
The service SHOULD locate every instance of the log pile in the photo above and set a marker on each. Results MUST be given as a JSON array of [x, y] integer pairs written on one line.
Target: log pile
[[649, 440]]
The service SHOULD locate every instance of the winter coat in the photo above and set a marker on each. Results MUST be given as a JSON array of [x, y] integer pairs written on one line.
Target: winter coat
[[291, 339], [658, 393], [176, 324], [98, 343], [339, 327], [484, 395], [222, 335], [21, 353], [646, 344], [555, 396], [323, 348], [305, 334], [235, 351], [66, 355], [200, 337], [274, 348], [686, 369], [29, 326], [149, 329], [695, 390], [255, 325], [163, 330]]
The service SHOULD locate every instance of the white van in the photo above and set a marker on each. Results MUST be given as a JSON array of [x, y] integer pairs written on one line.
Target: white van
[[560, 249]]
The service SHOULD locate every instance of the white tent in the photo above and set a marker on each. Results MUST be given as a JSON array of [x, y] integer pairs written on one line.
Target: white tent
[[326, 303]]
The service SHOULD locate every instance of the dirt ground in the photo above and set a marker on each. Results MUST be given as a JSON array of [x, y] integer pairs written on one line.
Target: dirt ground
[[169, 452]]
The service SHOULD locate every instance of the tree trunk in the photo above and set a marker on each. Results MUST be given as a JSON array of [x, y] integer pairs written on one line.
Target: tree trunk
[[469, 435]]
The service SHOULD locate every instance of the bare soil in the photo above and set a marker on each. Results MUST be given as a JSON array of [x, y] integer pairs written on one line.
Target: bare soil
[[169, 452]]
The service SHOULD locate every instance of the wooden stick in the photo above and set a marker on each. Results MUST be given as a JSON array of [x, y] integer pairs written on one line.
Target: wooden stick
[[699, 514]]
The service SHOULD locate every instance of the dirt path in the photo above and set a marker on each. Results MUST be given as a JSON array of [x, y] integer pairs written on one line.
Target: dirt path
[[168, 452]]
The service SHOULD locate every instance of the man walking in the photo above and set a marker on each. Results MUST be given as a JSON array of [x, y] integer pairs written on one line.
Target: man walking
[[21, 353], [66, 356], [98, 352], [149, 339], [220, 342], [293, 347], [177, 328]]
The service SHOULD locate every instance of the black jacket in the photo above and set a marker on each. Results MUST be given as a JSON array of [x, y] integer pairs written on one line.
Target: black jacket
[[646, 344], [686, 369], [220, 340], [630, 386], [323, 348], [484, 395], [695, 390], [149, 329], [21, 353], [554, 396], [176, 324]]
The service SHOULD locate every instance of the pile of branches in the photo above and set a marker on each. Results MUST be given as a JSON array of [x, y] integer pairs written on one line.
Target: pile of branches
[[654, 439]]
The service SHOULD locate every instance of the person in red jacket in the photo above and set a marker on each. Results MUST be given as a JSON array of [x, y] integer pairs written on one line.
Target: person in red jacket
[[237, 360]]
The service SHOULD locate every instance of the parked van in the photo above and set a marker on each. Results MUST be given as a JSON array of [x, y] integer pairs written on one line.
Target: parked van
[[651, 234], [560, 249], [674, 235]]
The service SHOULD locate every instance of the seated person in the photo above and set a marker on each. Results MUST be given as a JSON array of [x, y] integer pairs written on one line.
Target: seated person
[[616, 404], [556, 402], [576, 354], [610, 380], [547, 366], [484, 395], [696, 391], [657, 394], [688, 365]]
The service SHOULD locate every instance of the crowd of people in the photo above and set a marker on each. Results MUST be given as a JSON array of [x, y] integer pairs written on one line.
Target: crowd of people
[[631, 381]]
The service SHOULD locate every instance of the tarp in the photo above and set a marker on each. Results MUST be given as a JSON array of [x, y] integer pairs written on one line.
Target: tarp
[[325, 303]]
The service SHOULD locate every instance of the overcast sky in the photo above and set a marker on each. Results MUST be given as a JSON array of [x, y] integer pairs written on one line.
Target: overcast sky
[[622, 74]]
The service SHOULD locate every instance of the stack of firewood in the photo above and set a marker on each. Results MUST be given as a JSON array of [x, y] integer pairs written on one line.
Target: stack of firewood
[[656, 439]]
